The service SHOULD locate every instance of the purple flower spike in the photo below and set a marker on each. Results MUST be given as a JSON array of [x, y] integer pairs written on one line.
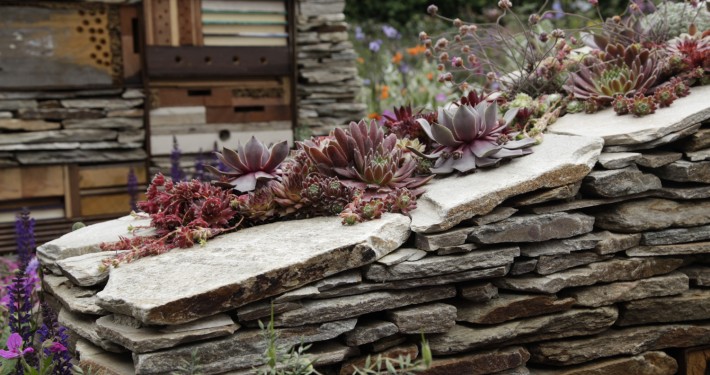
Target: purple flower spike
[[359, 35], [14, 345], [375, 45], [391, 32]]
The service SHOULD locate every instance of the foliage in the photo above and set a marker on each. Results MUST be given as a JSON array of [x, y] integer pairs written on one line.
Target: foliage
[[283, 359], [473, 137], [403, 365]]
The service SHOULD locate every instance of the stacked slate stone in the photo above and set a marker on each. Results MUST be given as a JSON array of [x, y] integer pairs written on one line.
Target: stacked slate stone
[[328, 82], [80, 126], [586, 257]]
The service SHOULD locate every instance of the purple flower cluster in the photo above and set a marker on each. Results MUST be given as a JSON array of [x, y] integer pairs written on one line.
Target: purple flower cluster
[[24, 232], [133, 188], [176, 172]]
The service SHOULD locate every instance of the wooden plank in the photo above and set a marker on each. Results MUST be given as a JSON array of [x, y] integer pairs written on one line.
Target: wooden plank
[[71, 197], [174, 24], [267, 92], [110, 175], [215, 62], [161, 23], [76, 37], [42, 181], [107, 204], [130, 42], [149, 23], [696, 361], [254, 113], [11, 187], [190, 22]]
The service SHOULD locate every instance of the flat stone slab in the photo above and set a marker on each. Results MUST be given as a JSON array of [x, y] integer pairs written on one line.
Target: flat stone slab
[[658, 158], [74, 298], [548, 264], [148, 339], [627, 341], [677, 235], [617, 160], [510, 306], [400, 255], [559, 160], [478, 292], [608, 294], [619, 182], [533, 228], [435, 241], [484, 362], [655, 144], [698, 141], [685, 171], [653, 214], [692, 305], [243, 349], [700, 155], [28, 125], [629, 130], [87, 240], [403, 351], [649, 363], [443, 264], [546, 195], [603, 272], [575, 322], [522, 266], [252, 263], [498, 214], [699, 275], [112, 103], [426, 318], [564, 246], [614, 242], [87, 270], [102, 362], [105, 123], [263, 308], [678, 249], [85, 326], [324, 310], [368, 331]]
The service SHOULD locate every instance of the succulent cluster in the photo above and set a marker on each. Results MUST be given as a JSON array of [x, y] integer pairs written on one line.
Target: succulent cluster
[[472, 137]]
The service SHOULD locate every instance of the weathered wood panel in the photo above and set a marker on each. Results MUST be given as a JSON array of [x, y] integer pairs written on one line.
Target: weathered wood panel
[[215, 62], [31, 182], [94, 176], [50, 45], [107, 204]]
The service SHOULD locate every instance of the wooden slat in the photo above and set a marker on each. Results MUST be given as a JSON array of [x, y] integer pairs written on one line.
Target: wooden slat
[[161, 22], [11, 186], [214, 62], [31, 182], [130, 51], [190, 22], [174, 24], [267, 92], [71, 198], [248, 113], [109, 175], [107, 204], [149, 24]]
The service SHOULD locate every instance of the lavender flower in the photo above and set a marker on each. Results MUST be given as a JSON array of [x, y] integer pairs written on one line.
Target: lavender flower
[[359, 35], [57, 350], [24, 232], [199, 167], [176, 172], [391, 32], [375, 45], [20, 307], [133, 189]]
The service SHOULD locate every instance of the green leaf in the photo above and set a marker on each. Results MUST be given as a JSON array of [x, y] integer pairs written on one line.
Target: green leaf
[[7, 366]]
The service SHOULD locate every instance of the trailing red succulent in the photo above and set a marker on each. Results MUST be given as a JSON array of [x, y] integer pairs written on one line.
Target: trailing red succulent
[[183, 214]]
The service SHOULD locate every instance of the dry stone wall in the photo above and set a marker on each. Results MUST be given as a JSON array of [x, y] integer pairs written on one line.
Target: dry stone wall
[[589, 256]]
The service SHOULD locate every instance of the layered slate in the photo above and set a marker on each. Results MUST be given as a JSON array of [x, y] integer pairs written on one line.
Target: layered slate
[[558, 160], [252, 264]]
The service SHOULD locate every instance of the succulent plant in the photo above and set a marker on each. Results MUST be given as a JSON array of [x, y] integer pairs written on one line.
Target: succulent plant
[[692, 49], [641, 105], [404, 124], [674, 18], [473, 137], [363, 158], [622, 71], [620, 105], [325, 196], [664, 95], [250, 163]]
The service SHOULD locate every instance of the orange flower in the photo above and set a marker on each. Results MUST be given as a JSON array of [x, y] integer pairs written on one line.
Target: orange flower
[[374, 116], [385, 92], [397, 58], [416, 50], [360, 60], [430, 76]]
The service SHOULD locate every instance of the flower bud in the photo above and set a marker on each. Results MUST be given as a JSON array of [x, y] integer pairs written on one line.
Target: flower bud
[[423, 36], [432, 10], [458, 22], [441, 43], [505, 4], [533, 19]]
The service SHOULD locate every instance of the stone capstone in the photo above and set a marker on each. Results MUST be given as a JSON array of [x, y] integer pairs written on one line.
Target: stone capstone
[[426, 318], [253, 264], [575, 322], [558, 161], [607, 294], [533, 228], [653, 214], [618, 269], [87, 269], [627, 341]]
